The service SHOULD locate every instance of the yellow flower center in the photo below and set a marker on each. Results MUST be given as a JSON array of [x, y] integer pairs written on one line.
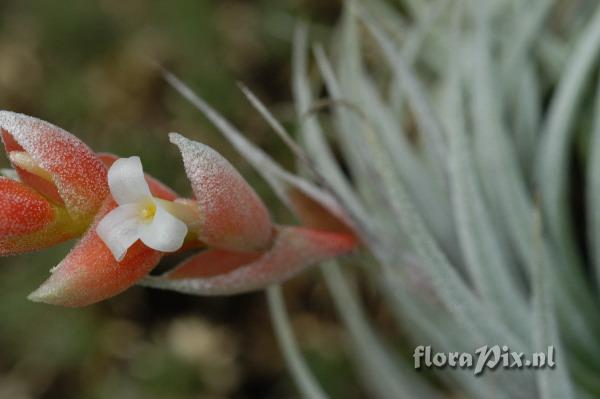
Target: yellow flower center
[[148, 211]]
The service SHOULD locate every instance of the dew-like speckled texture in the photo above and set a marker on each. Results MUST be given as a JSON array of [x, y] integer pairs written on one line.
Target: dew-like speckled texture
[[213, 262], [234, 216], [22, 210], [294, 249], [78, 174], [60, 228], [90, 273]]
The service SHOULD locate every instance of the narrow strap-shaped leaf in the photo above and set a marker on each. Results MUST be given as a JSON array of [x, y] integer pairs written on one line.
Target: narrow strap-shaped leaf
[[303, 377], [529, 22], [553, 383], [497, 163], [558, 129], [593, 191], [488, 263], [432, 325], [311, 134], [412, 46], [386, 379], [274, 124], [429, 126], [527, 106]]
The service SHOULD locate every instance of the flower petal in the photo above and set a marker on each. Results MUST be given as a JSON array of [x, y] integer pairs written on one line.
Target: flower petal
[[90, 272], [165, 233], [126, 181], [157, 188], [119, 229], [295, 249], [234, 216], [79, 176]]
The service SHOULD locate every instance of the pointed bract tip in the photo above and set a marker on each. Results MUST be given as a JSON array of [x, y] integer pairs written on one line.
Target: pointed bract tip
[[76, 173], [234, 216], [175, 137], [44, 294]]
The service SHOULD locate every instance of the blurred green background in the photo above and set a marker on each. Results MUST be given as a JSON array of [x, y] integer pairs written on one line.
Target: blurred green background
[[87, 66]]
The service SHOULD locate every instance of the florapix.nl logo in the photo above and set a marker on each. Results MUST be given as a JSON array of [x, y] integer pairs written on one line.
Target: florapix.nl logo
[[484, 358]]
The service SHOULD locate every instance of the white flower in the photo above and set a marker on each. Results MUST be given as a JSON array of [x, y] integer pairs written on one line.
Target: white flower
[[139, 214]]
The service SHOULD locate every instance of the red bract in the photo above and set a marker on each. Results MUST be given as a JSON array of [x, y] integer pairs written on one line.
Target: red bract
[[62, 192], [234, 216], [55, 163], [90, 273], [22, 209], [220, 272], [61, 185]]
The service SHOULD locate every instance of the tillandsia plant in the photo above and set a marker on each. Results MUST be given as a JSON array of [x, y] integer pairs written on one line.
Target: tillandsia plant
[[450, 134]]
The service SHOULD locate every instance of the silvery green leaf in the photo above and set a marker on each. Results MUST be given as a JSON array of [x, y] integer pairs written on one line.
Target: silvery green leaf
[[557, 132], [386, 379], [553, 383], [305, 380]]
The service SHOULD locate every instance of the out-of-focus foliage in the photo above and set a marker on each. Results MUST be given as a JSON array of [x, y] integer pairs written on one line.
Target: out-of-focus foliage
[[89, 67]]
